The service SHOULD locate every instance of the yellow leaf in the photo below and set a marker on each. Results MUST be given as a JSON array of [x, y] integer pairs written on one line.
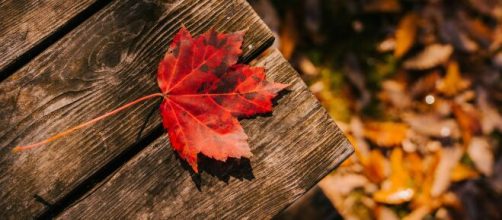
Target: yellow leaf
[[423, 196], [405, 34], [462, 172], [453, 82], [399, 190]]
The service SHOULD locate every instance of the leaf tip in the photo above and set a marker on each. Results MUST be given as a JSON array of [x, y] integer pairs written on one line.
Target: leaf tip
[[195, 167], [17, 149]]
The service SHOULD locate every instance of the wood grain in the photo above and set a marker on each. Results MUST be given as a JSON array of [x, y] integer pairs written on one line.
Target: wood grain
[[293, 149], [107, 61], [24, 24]]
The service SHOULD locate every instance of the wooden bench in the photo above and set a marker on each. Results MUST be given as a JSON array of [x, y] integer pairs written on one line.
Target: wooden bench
[[65, 62]]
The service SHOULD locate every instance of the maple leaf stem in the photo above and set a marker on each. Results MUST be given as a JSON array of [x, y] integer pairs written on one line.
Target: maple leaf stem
[[85, 124]]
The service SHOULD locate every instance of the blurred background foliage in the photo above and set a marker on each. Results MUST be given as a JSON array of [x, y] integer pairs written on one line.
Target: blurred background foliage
[[416, 86]]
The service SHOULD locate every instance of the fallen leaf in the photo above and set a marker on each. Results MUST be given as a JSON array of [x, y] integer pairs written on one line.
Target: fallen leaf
[[330, 187], [398, 190], [376, 166], [357, 130], [205, 91], [431, 56], [384, 213], [497, 38], [423, 196], [432, 125], [425, 85], [480, 152], [451, 33], [418, 213], [489, 7], [462, 172], [387, 45], [395, 93], [405, 34], [415, 166], [288, 36], [490, 117], [343, 184], [478, 30], [453, 82], [449, 157], [382, 6], [468, 119], [385, 134], [307, 67]]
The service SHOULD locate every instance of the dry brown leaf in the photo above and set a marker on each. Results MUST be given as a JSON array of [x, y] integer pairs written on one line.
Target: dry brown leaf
[[468, 119], [442, 106], [382, 6], [343, 184], [450, 199], [451, 32], [497, 60], [384, 213], [398, 190], [490, 117], [479, 30], [376, 166], [406, 34], [489, 7], [449, 158], [386, 134], [330, 185], [425, 85], [497, 38], [357, 129], [453, 82], [480, 152], [418, 213], [387, 45], [394, 92], [431, 56], [432, 125], [307, 67]]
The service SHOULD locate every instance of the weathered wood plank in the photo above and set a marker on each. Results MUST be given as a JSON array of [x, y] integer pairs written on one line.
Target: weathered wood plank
[[107, 61], [24, 24], [293, 148]]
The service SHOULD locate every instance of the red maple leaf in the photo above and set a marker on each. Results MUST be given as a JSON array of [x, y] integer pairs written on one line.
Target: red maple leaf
[[205, 91]]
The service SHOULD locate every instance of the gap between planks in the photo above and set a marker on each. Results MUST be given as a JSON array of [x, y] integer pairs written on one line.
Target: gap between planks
[[27, 54]]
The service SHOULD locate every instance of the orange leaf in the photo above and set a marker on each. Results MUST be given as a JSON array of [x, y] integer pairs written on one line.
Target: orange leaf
[[453, 82], [375, 167], [399, 190], [405, 34], [386, 134], [288, 36], [468, 120], [462, 172]]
